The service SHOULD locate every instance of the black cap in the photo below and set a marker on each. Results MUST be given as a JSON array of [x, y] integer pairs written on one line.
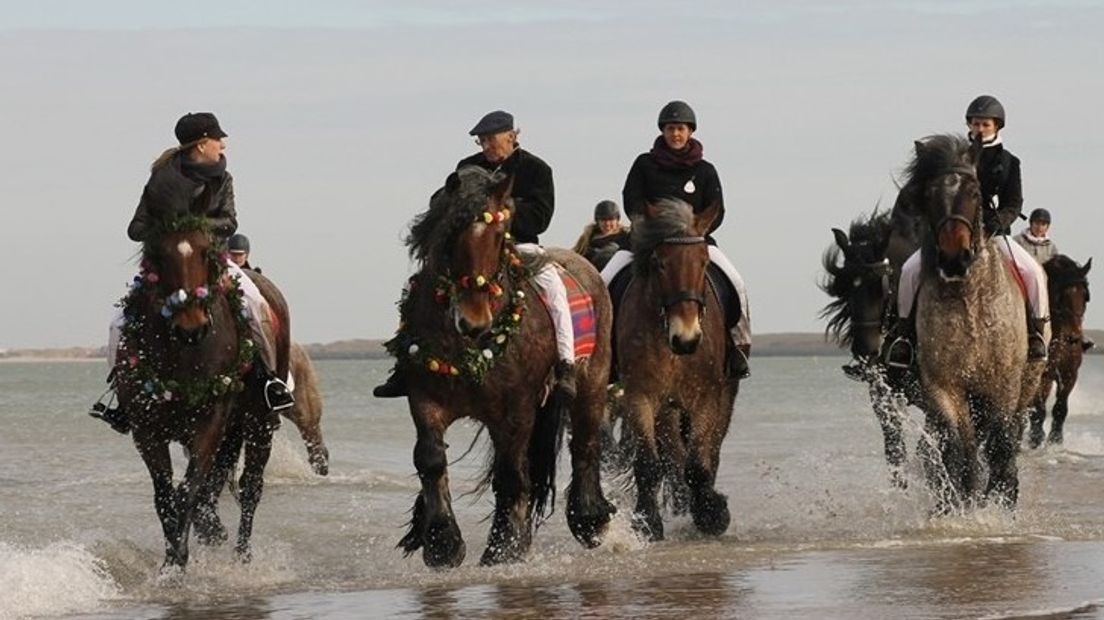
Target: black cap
[[986, 106], [238, 243], [1040, 215], [606, 210], [492, 123], [195, 126]]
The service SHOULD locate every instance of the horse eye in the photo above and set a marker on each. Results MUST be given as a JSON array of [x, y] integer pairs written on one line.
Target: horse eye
[[857, 282]]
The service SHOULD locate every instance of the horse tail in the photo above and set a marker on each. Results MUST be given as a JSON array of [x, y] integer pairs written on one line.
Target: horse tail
[[544, 449]]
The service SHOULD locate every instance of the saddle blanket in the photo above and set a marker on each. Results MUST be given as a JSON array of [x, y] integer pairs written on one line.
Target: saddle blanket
[[584, 321]]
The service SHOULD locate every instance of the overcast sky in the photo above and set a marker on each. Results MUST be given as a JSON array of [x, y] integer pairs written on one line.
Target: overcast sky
[[344, 117]]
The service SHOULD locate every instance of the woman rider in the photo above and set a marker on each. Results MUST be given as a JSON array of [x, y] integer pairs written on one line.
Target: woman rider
[[998, 173], [191, 179], [674, 168], [604, 237]]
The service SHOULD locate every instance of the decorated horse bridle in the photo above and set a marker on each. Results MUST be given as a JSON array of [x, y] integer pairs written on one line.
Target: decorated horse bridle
[[685, 294]]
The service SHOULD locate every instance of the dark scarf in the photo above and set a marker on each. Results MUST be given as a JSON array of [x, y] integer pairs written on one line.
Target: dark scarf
[[667, 157], [203, 173]]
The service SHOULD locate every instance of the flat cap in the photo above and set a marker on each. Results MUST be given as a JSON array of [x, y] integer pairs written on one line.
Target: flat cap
[[492, 123]]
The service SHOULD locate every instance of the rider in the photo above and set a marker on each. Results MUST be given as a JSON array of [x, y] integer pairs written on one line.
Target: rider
[[191, 179], [674, 168], [998, 173], [1036, 240], [533, 203], [605, 236], [238, 245]]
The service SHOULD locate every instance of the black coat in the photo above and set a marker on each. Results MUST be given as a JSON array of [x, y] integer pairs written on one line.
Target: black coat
[[648, 182], [998, 172], [169, 194], [533, 193]]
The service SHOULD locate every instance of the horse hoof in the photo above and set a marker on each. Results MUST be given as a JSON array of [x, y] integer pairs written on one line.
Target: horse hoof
[[444, 548], [588, 523], [1035, 439], [501, 554], [245, 554], [648, 527], [710, 513], [1054, 438]]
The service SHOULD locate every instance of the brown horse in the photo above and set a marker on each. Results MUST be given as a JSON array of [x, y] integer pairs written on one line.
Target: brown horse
[[672, 341], [179, 375], [477, 342], [307, 412], [1069, 293], [975, 379]]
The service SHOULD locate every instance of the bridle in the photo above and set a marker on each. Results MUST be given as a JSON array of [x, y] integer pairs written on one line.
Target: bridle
[[685, 294]]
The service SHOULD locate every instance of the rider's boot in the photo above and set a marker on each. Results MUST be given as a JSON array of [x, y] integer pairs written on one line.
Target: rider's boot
[[565, 379], [394, 387], [738, 367], [1086, 343], [114, 416], [899, 355], [1036, 342], [277, 394]]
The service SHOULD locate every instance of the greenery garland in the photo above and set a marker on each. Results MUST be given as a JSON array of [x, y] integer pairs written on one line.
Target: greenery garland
[[474, 362], [139, 369]]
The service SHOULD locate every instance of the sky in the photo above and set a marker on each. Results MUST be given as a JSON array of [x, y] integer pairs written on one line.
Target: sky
[[345, 116]]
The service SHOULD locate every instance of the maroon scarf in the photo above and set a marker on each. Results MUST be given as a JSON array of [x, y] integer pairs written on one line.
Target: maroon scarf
[[667, 157]]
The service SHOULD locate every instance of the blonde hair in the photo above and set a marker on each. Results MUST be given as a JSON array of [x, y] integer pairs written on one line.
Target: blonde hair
[[171, 152]]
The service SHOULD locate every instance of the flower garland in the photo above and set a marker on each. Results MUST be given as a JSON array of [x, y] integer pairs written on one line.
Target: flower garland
[[138, 368], [474, 362]]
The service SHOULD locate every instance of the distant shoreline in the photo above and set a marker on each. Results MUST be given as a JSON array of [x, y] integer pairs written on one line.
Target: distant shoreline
[[784, 344]]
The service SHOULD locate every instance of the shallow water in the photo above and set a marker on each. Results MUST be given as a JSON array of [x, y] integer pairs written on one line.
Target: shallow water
[[817, 531]]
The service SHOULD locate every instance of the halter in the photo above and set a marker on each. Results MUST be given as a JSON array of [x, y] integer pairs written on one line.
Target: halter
[[683, 295]]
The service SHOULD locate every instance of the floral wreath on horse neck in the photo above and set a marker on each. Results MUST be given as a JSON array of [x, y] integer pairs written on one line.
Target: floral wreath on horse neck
[[137, 366], [474, 362]]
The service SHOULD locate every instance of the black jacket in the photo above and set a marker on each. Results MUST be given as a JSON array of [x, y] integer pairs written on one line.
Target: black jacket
[[998, 172], [533, 194], [647, 182], [170, 194]]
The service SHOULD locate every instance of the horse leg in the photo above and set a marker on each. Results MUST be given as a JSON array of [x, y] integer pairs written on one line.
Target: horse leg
[[708, 427], [258, 447], [671, 442], [889, 417], [511, 525], [1038, 412], [206, 522], [201, 458], [317, 453], [588, 512], [1000, 449], [1061, 410], [949, 471], [156, 456], [433, 525], [646, 468]]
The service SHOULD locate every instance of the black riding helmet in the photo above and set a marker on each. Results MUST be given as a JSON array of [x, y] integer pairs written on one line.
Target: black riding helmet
[[238, 243], [1040, 215], [607, 210], [986, 106], [678, 112]]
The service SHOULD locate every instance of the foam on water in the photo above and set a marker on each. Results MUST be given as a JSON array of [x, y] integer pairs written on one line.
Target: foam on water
[[58, 579]]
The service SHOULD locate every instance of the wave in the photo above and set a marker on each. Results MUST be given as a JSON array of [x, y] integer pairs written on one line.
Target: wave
[[59, 579]]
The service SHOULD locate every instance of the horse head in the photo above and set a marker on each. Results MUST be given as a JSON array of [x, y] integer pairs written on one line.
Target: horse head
[[861, 287], [1068, 286], [463, 239], [184, 260], [671, 240], [947, 196]]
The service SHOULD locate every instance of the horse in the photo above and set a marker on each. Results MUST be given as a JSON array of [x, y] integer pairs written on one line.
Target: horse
[[862, 278], [1069, 293], [974, 375], [477, 342], [672, 341], [306, 414], [185, 349]]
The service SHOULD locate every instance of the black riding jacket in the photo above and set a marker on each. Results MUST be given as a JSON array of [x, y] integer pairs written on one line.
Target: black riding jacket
[[648, 181], [533, 194]]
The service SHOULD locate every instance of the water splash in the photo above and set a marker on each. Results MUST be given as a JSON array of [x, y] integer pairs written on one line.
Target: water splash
[[58, 579]]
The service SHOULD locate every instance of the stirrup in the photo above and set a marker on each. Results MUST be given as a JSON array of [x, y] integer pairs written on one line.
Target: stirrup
[[900, 341], [287, 399]]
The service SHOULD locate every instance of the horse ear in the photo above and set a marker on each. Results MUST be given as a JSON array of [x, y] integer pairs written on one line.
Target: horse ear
[[501, 191], [452, 182], [704, 221], [919, 146], [974, 154], [1086, 268], [841, 239]]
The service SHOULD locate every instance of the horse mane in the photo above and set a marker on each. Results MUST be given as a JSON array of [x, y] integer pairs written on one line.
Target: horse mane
[[873, 230], [451, 210], [671, 218], [939, 153]]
